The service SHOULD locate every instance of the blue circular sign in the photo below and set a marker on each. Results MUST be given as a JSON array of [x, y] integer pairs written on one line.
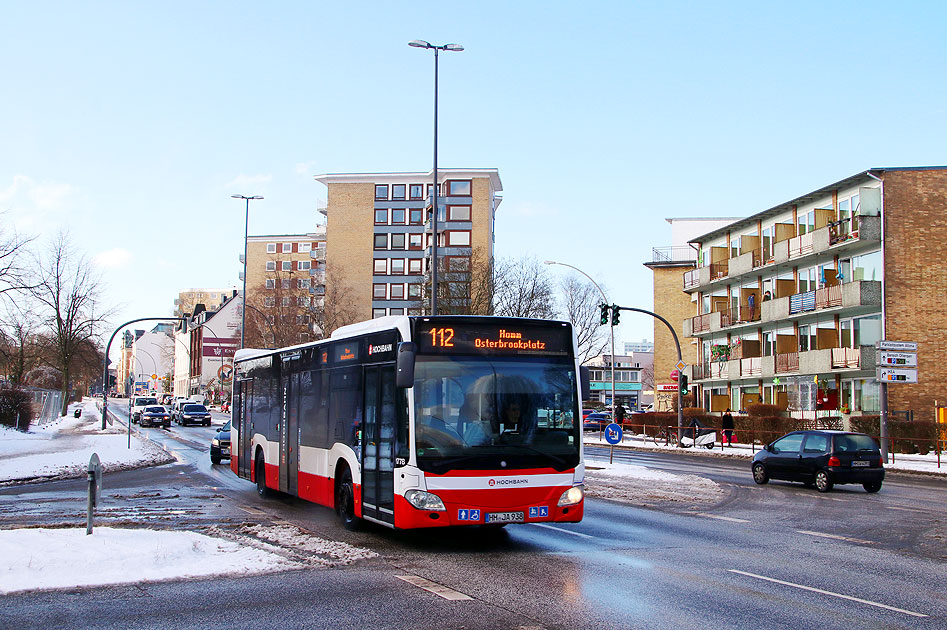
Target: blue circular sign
[[613, 433]]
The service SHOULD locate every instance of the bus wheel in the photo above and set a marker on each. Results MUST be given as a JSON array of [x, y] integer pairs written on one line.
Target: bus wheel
[[260, 475], [345, 501]]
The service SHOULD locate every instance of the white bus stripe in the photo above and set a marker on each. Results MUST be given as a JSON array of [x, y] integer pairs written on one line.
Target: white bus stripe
[[433, 587], [829, 593]]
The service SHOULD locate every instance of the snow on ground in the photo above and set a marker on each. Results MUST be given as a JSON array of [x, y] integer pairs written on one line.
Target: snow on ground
[[642, 485], [61, 448]]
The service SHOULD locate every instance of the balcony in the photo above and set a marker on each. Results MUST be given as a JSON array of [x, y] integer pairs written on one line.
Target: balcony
[[673, 254], [715, 370], [692, 279], [319, 253], [752, 366], [739, 315], [719, 270], [787, 362], [801, 245]]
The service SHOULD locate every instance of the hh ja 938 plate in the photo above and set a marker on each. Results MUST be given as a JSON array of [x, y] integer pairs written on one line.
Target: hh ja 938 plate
[[506, 517]]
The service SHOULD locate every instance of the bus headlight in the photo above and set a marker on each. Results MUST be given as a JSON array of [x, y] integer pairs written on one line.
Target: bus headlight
[[571, 496], [424, 500]]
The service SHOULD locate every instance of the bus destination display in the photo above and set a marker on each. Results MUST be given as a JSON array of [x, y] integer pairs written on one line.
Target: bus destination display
[[508, 338]]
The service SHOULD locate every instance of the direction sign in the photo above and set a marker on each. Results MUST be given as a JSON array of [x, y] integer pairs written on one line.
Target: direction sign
[[681, 366], [902, 346], [896, 375], [897, 359]]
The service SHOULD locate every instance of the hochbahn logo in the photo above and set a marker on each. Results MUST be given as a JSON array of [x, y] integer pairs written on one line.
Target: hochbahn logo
[[522, 481], [386, 347]]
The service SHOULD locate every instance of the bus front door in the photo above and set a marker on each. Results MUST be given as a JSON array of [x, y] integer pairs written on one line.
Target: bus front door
[[289, 434], [244, 427], [378, 444]]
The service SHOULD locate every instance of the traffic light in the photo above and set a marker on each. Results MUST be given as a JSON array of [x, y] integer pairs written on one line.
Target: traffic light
[[682, 383], [616, 312], [604, 314]]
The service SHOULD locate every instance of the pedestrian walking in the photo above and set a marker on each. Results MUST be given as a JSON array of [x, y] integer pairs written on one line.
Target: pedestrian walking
[[726, 424], [620, 414]]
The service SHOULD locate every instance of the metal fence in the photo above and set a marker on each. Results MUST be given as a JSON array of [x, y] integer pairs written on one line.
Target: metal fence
[[47, 404]]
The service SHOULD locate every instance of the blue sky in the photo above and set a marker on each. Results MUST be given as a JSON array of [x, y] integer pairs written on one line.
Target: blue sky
[[131, 124]]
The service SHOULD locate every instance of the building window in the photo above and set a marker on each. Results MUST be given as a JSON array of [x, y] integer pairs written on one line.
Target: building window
[[430, 190], [271, 248], [458, 188], [304, 248], [284, 283], [303, 265], [271, 283], [458, 213], [287, 248], [415, 312], [415, 216], [381, 217], [396, 311], [458, 263], [271, 265], [397, 292], [414, 266], [381, 192], [379, 291], [378, 312], [397, 192], [397, 241], [397, 216], [381, 241], [416, 190], [268, 301], [302, 283], [286, 301], [380, 267], [414, 291], [458, 239], [414, 241], [287, 265], [302, 300], [397, 266]]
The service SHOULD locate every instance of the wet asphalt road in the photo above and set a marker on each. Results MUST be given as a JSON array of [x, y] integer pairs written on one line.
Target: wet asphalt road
[[778, 555]]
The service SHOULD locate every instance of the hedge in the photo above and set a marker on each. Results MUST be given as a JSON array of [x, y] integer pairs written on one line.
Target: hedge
[[906, 437], [14, 402]]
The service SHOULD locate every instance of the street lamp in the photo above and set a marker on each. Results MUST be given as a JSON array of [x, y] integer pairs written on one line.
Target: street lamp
[[246, 225], [611, 329], [420, 43]]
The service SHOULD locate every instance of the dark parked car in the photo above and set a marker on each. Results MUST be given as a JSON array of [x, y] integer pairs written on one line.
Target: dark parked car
[[596, 421], [193, 414], [155, 415], [822, 459], [220, 445]]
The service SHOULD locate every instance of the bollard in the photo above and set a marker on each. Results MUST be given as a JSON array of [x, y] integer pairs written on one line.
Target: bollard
[[94, 475]]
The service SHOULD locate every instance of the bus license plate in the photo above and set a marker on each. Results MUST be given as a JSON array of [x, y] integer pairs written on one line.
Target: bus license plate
[[506, 517]]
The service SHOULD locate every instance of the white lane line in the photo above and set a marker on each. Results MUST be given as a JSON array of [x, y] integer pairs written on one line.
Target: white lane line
[[904, 509], [433, 587], [829, 593], [722, 518], [835, 537], [564, 531]]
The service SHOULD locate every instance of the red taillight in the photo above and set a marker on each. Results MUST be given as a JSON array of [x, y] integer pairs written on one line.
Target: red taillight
[[881, 462], [834, 461]]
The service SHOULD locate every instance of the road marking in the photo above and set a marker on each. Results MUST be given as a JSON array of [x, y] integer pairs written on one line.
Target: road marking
[[722, 518], [904, 509], [829, 593], [251, 510], [433, 587], [564, 531], [835, 537]]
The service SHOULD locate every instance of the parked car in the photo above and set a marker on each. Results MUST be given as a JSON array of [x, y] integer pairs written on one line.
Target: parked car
[[220, 445], [597, 421], [155, 415], [822, 459], [192, 413], [139, 403]]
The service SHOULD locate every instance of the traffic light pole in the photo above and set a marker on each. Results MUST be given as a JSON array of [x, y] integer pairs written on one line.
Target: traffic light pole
[[677, 343]]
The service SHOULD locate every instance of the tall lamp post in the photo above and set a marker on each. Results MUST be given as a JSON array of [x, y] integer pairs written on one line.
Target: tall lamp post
[[611, 329], [246, 226], [420, 43]]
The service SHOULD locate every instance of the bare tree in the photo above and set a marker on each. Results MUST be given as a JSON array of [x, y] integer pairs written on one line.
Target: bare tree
[[524, 288], [647, 377], [19, 345], [580, 301], [334, 309], [465, 286], [70, 295], [14, 274], [278, 311]]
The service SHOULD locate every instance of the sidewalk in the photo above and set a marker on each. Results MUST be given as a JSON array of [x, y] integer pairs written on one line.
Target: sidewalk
[[914, 464]]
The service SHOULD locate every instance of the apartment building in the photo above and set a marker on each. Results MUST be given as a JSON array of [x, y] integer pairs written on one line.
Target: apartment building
[[286, 281], [212, 299], [379, 236], [630, 369], [791, 301]]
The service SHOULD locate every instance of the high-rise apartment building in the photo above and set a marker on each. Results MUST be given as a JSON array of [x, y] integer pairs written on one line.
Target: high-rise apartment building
[[210, 298], [379, 237], [792, 300]]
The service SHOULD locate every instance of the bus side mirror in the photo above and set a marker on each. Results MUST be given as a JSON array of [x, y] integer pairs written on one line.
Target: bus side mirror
[[407, 352]]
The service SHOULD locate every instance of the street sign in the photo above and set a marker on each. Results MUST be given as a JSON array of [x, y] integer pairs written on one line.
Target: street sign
[[897, 359], [674, 375], [902, 346], [613, 433], [681, 366], [896, 375]]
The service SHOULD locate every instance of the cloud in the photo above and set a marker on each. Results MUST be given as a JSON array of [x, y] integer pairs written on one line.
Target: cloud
[[113, 258], [304, 168], [243, 182], [31, 203]]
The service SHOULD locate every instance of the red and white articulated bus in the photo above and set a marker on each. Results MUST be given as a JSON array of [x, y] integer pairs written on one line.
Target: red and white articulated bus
[[418, 421]]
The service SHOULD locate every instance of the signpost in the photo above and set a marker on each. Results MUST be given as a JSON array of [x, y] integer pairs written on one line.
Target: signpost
[[896, 363], [613, 435]]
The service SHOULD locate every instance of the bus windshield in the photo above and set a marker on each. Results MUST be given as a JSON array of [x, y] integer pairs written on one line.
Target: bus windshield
[[476, 413]]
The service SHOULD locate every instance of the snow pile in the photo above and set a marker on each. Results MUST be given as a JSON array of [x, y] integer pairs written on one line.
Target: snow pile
[[327, 552], [65, 558], [61, 448], [642, 485]]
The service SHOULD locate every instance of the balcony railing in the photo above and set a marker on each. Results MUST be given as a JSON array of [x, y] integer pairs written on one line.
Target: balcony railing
[[700, 323], [691, 279], [844, 230], [846, 357], [827, 297], [715, 369], [719, 269], [674, 253], [802, 302], [319, 253], [787, 362], [762, 257], [800, 245], [752, 366], [739, 315]]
